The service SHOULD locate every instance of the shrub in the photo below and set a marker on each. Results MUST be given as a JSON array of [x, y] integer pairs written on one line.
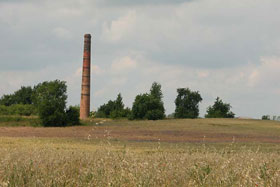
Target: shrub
[[265, 117], [18, 109], [73, 115], [50, 100], [21, 96]]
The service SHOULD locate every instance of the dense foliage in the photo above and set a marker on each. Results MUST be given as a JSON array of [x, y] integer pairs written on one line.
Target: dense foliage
[[50, 100], [21, 96], [219, 110], [47, 99], [73, 115], [149, 106], [113, 109], [187, 103], [18, 109]]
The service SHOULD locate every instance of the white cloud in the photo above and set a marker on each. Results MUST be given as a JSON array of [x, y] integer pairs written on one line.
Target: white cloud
[[203, 74], [119, 81], [62, 33], [119, 28], [123, 64], [96, 70], [266, 74], [100, 93]]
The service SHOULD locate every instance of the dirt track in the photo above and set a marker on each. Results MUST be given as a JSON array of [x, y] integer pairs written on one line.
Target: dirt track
[[111, 132]]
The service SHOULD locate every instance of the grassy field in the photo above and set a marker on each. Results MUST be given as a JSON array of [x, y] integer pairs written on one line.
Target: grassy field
[[202, 152]]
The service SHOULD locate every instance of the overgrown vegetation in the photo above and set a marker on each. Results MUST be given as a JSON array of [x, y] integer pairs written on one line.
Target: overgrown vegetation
[[219, 110], [18, 109], [19, 121]]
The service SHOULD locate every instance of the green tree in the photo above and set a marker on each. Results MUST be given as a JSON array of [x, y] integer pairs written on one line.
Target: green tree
[[18, 109], [219, 110], [118, 104], [50, 100], [187, 103], [155, 91], [21, 96], [265, 117], [149, 106], [7, 100], [113, 109]]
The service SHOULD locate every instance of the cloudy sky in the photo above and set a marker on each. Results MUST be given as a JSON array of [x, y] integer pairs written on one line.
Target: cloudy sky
[[225, 48]]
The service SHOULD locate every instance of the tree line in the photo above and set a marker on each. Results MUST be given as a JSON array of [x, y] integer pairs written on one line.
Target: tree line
[[48, 101], [150, 106]]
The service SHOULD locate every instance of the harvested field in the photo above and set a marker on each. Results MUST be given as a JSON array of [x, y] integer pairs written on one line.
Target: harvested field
[[201, 152], [199, 130]]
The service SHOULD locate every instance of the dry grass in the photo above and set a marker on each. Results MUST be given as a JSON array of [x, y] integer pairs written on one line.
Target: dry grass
[[69, 162], [143, 153]]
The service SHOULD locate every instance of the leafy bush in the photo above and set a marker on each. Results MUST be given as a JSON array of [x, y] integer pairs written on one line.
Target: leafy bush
[[187, 103], [21, 96], [50, 100], [219, 110], [73, 115], [18, 109]]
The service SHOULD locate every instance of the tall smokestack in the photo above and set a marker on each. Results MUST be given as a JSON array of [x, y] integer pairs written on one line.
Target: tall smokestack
[[85, 94]]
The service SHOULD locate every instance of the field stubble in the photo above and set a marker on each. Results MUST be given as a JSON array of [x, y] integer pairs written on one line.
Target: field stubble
[[144, 156]]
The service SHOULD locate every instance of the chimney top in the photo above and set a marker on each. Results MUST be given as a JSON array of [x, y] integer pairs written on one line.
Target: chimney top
[[87, 36]]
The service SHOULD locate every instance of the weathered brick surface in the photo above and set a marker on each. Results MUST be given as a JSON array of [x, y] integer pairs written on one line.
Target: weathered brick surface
[[85, 93]]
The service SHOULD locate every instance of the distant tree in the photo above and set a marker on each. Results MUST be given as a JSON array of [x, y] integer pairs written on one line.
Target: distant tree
[[265, 117], [219, 110], [21, 96], [149, 106], [105, 110], [187, 103], [50, 100], [113, 109], [119, 106]]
